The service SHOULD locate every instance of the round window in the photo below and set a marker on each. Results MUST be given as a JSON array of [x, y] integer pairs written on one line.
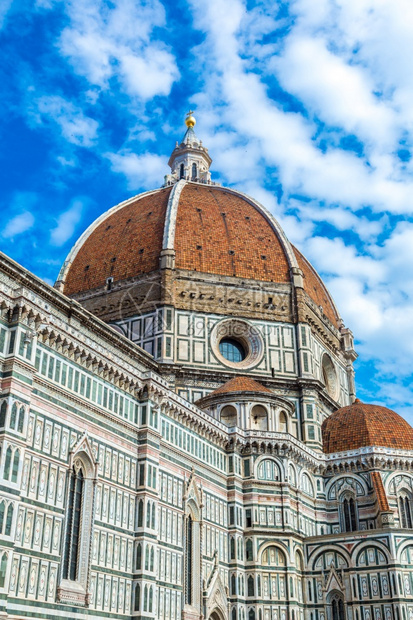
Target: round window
[[237, 344], [232, 350]]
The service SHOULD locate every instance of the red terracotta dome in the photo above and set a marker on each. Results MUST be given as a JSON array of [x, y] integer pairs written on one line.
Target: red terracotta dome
[[360, 425], [211, 229]]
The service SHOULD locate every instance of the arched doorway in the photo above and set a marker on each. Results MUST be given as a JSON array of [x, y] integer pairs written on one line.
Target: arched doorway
[[216, 615]]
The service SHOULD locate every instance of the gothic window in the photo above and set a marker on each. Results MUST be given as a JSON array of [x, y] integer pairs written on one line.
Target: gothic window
[[349, 521], [3, 411], [248, 550], [13, 416], [192, 547], [70, 564], [181, 171], [11, 464], [9, 520], [337, 607], [232, 548], [405, 511], [2, 509], [251, 614], [234, 614], [3, 569], [15, 468], [189, 559], [139, 557], [194, 172], [20, 425], [137, 597], [233, 585], [140, 513], [250, 586], [145, 599]]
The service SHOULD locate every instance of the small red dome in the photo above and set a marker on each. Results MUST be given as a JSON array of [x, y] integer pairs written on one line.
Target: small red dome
[[360, 425]]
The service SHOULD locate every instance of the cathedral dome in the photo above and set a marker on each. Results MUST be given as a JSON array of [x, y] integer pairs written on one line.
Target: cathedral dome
[[208, 229], [360, 425]]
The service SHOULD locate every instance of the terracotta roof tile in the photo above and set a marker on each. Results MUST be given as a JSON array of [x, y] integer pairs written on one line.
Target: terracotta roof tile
[[315, 289], [126, 244], [240, 384], [360, 425], [219, 232], [380, 492]]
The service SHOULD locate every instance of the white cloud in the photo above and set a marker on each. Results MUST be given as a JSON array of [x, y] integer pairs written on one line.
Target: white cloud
[[74, 125], [340, 93], [18, 224], [66, 223], [140, 170], [105, 44], [332, 138]]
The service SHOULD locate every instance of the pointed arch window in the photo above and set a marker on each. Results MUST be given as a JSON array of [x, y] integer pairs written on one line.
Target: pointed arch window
[[189, 559], [13, 416], [248, 550], [15, 468], [349, 514], [337, 607], [137, 597], [181, 171], [9, 520], [139, 557], [405, 511], [70, 564], [7, 463], [20, 424], [3, 411], [192, 546], [3, 569], [77, 548], [194, 172], [11, 464]]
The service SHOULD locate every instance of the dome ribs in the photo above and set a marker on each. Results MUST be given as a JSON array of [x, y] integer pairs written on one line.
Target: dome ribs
[[315, 288], [360, 425], [132, 235], [232, 244]]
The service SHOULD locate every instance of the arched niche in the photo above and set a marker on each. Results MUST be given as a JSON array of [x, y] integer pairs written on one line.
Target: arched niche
[[329, 376], [228, 415], [259, 418], [282, 422]]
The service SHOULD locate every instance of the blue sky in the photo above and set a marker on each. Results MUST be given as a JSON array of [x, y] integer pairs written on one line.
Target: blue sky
[[306, 105]]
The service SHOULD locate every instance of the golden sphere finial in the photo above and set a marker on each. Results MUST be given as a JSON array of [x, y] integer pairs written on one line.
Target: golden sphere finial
[[190, 119]]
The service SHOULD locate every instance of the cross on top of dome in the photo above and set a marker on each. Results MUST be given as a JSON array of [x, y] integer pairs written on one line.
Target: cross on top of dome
[[190, 159]]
